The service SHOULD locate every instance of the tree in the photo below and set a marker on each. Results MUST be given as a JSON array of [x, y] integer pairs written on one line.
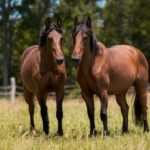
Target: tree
[[127, 22], [8, 9], [21, 24]]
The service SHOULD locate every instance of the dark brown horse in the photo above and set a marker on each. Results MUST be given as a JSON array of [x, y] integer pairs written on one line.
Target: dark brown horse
[[42, 71], [104, 71]]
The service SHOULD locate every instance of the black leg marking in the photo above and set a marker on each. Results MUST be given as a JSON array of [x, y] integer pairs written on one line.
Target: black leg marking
[[31, 112], [93, 131], [104, 120], [146, 128], [59, 115], [44, 115], [125, 127]]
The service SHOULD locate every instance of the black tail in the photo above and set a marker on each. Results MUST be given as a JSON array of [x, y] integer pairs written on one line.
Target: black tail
[[138, 112]]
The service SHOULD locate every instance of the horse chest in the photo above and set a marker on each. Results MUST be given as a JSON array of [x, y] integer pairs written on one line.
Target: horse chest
[[53, 81], [87, 81]]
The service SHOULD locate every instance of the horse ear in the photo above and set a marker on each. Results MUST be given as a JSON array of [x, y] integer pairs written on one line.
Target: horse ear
[[88, 22], [47, 23], [76, 21], [59, 22]]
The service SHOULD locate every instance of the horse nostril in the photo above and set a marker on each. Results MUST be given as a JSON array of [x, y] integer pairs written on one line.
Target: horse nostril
[[59, 60], [76, 59]]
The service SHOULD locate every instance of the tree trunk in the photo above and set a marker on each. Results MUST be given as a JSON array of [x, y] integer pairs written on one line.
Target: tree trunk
[[6, 52]]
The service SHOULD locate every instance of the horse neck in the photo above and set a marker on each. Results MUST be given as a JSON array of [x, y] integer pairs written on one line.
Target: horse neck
[[91, 56], [47, 60], [87, 58]]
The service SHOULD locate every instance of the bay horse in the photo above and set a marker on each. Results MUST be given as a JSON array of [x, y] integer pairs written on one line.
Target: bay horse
[[42, 71], [103, 71]]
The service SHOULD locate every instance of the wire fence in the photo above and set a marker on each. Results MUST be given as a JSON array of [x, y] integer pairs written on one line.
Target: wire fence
[[71, 91]]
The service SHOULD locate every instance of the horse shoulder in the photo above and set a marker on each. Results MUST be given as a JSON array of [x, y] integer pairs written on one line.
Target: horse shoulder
[[28, 51], [100, 63]]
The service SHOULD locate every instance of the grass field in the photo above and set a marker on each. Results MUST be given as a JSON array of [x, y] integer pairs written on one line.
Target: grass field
[[14, 124]]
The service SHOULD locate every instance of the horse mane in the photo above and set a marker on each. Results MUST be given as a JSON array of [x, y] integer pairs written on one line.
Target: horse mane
[[83, 27], [44, 33]]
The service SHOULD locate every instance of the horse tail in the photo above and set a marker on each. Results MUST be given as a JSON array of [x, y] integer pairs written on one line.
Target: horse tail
[[137, 111]]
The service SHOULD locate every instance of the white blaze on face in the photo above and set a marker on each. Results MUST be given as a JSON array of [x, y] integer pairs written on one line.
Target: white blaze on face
[[56, 43], [78, 45]]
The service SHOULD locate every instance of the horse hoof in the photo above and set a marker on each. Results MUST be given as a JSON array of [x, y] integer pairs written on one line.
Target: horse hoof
[[33, 132], [30, 132], [93, 133], [46, 132], [125, 131], [146, 130], [26, 134], [60, 133], [106, 133]]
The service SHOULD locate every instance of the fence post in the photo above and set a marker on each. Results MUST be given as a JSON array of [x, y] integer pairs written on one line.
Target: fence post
[[13, 89]]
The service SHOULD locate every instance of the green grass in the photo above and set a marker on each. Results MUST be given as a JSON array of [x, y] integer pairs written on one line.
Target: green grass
[[14, 123]]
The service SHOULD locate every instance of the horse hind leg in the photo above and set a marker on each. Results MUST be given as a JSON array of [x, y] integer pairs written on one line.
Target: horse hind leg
[[140, 104], [29, 100], [121, 100], [103, 112]]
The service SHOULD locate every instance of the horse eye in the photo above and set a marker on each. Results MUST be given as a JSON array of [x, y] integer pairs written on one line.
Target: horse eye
[[50, 39], [85, 37]]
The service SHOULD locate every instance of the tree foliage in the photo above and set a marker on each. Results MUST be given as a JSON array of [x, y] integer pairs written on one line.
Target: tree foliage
[[117, 22]]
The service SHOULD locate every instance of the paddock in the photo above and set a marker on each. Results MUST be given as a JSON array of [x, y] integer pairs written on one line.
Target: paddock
[[14, 127]]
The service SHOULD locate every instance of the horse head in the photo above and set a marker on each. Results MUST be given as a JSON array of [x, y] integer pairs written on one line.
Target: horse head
[[83, 38], [51, 40]]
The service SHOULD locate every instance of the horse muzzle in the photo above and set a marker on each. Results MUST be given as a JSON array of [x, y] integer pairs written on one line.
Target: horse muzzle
[[76, 59], [59, 60]]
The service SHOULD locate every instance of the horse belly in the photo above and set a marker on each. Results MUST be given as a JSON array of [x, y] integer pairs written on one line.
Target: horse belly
[[123, 68], [121, 83], [118, 88]]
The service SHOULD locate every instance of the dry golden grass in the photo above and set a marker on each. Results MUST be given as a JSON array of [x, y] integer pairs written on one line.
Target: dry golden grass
[[14, 123]]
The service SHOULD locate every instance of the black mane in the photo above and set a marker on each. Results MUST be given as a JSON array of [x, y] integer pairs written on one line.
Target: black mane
[[46, 31], [84, 28]]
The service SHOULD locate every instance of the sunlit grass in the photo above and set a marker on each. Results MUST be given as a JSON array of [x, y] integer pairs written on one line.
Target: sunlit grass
[[14, 123]]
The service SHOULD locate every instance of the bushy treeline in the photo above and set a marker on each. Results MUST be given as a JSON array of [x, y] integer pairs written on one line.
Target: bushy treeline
[[115, 22]]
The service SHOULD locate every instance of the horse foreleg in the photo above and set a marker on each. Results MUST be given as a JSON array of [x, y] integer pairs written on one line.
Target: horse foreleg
[[59, 111], [121, 100], [31, 112], [88, 98], [44, 115], [103, 112]]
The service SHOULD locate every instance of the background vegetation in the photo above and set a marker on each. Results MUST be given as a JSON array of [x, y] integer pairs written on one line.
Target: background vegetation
[[114, 22]]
